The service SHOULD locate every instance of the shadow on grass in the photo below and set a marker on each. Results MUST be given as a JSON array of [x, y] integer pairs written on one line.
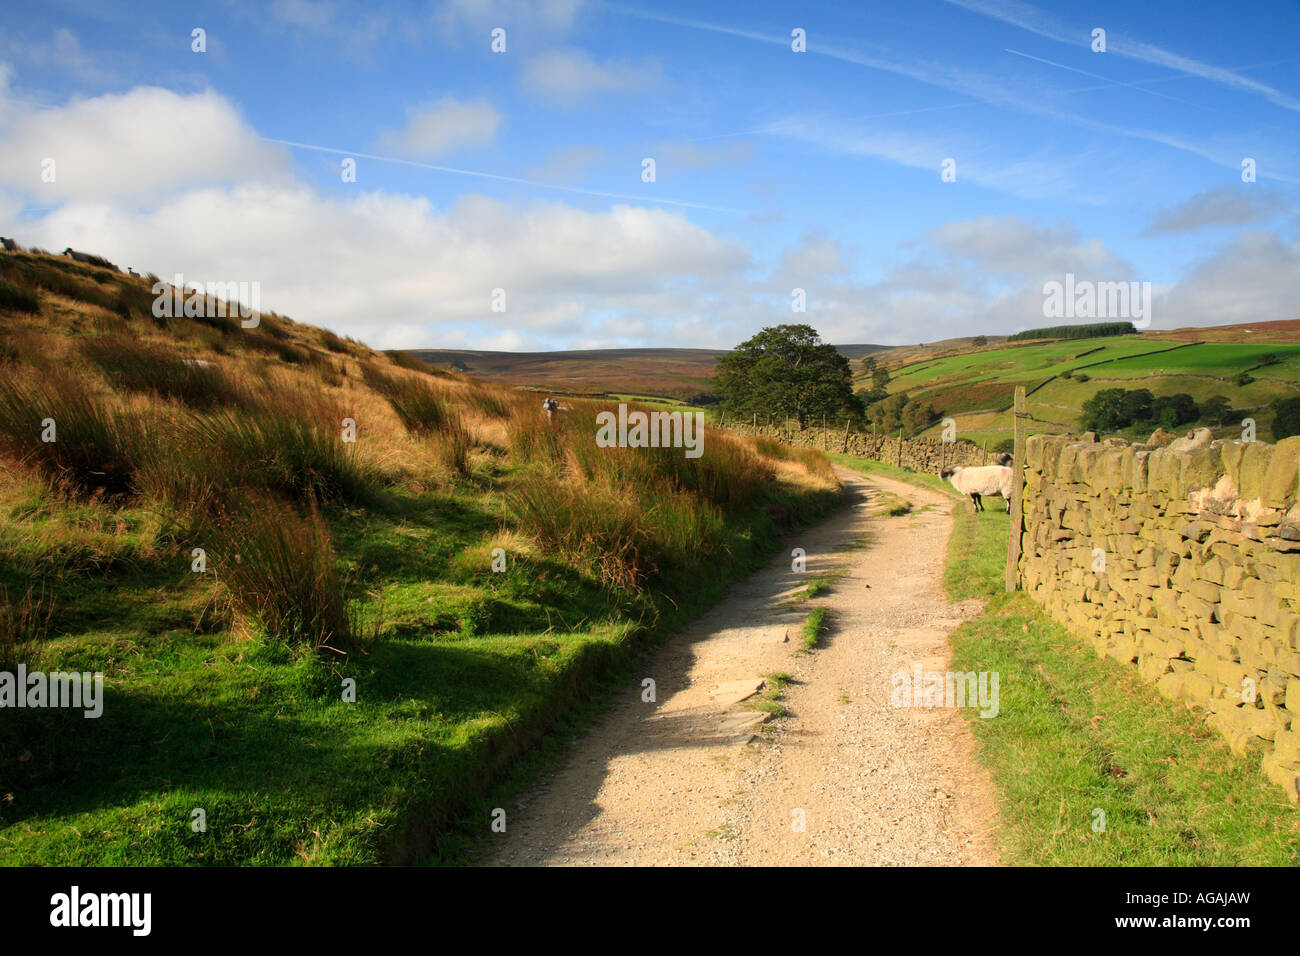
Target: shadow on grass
[[266, 737]]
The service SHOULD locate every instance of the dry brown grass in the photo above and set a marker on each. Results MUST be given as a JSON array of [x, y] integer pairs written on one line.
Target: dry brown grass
[[627, 514]]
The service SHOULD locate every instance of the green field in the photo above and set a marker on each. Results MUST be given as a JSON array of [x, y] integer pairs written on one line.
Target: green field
[[976, 388], [1031, 363]]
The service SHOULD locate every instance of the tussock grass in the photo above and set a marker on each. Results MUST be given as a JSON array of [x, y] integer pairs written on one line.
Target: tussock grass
[[816, 461], [493, 403], [623, 539], [278, 571], [531, 438], [727, 474], [139, 366], [452, 442], [96, 447], [333, 343], [24, 627], [14, 298], [772, 448], [421, 406], [283, 449], [409, 362], [273, 339]]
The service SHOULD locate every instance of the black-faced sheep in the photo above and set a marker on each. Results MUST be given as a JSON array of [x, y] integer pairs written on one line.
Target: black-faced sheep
[[91, 260], [1004, 458], [9, 244], [977, 482]]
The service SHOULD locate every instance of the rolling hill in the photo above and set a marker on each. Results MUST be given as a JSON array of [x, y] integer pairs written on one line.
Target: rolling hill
[[660, 373], [976, 387]]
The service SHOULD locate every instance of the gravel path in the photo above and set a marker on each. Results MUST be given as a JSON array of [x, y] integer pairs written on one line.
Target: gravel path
[[693, 779]]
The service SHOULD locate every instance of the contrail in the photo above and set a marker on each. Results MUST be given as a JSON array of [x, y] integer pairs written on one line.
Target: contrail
[[503, 179], [1139, 85], [953, 82]]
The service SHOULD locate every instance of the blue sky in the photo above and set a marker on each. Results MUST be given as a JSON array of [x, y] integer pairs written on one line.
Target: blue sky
[[775, 169]]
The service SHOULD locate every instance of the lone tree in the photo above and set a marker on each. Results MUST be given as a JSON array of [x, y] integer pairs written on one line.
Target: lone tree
[[787, 371]]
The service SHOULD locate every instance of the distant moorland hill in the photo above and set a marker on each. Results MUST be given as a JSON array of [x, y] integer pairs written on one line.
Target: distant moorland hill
[[664, 373]]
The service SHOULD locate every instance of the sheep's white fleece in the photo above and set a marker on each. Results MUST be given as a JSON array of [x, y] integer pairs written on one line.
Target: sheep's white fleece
[[984, 480]]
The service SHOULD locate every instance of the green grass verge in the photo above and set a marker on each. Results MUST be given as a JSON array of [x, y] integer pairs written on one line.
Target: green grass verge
[[473, 670], [1076, 734]]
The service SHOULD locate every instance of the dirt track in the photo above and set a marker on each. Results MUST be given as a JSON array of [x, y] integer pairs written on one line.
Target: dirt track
[[692, 779]]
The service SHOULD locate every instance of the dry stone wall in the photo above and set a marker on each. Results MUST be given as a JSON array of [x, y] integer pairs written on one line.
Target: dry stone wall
[[918, 454], [1184, 561]]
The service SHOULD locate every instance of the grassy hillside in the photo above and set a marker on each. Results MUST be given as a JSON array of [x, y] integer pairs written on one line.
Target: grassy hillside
[[321, 649], [976, 387]]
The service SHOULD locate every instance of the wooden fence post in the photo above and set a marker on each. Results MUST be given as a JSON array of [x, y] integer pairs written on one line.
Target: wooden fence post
[[1017, 516], [848, 423], [900, 448], [985, 459]]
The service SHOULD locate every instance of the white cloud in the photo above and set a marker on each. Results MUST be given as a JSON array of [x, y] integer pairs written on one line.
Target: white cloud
[[1223, 206], [380, 265], [440, 127], [1253, 278], [1013, 247], [816, 255], [570, 77], [963, 278], [63, 52], [143, 143]]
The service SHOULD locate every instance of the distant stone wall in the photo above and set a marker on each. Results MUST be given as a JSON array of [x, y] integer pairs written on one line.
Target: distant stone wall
[[918, 454], [1185, 561]]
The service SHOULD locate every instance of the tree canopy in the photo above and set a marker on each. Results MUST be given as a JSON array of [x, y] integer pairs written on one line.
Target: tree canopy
[[789, 372]]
